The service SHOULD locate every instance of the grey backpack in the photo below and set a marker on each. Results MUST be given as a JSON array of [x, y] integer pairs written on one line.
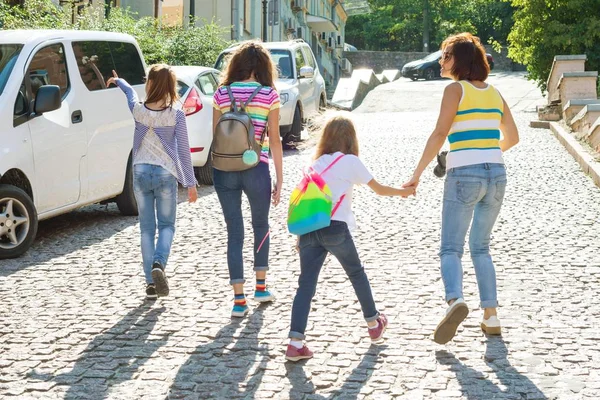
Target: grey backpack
[[234, 136]]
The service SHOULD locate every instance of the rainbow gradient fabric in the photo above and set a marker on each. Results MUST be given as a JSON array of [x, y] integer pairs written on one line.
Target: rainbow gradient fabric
[[310, 205]]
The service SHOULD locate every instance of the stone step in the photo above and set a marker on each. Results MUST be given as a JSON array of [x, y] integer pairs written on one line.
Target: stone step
[[573, 107], [593, 136], [584, 120], [560, 65], [577, 85]]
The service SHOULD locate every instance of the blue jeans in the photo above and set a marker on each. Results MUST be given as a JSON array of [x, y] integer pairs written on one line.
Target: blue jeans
[[155, 191], [256, 184], [314, 246], [473, 196]]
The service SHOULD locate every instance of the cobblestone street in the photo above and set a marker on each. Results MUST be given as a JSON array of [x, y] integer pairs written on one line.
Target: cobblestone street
[[74, 323]]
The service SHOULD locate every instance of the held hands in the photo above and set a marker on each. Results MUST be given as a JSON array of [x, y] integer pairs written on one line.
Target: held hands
[[408, 191], [277, 192], [412, 184], [113, 79], [192, 195]]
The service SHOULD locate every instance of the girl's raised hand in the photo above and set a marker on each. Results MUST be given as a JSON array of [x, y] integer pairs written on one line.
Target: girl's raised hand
[[112, 79]]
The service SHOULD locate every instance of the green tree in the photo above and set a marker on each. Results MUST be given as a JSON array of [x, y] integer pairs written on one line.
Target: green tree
[[398, 24], [160, 43], [545, 28]]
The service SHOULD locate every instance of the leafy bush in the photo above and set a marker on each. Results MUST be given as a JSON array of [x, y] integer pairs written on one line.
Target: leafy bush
[[545, 28], [160, 43]]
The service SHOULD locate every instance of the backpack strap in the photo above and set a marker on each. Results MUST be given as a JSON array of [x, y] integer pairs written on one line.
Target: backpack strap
[[230, 93], [337, 205], [252, 96]]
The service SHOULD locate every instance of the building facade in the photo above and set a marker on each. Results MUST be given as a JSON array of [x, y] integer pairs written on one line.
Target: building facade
[[321, 23]]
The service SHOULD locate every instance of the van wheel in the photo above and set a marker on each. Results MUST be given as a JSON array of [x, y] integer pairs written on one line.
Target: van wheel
[[18, 221], [126, 200], [295, 133], [204, 174], [322, 104], [429, 74]]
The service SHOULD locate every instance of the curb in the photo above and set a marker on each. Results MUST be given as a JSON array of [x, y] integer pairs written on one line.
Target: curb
[[583, 157]]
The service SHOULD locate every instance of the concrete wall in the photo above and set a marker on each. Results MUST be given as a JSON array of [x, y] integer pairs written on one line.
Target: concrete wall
[[380, 60], [142, 8]]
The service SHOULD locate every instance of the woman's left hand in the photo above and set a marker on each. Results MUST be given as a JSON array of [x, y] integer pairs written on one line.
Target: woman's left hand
[[277, 192], [192, 194]]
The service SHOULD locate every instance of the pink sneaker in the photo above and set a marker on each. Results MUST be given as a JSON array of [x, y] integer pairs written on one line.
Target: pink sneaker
[[294, 354], [377, 333]]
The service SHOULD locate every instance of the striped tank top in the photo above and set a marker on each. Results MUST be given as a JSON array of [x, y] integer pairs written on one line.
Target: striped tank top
[[475, 133]]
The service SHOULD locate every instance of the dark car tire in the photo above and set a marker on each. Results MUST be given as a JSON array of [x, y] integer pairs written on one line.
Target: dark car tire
[[204, 174], [126, 202], [429, 74], [295, 133], [491, 66], [7, 193], [412, 78]]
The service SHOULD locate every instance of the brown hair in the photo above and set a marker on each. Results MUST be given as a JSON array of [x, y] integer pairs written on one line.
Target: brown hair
[[470, 61], [338, 134], [250, 57], [161, 85]]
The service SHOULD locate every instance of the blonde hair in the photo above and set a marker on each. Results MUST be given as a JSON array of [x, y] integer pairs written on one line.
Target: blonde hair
[[338, 134], [161, 85], [250, 57]]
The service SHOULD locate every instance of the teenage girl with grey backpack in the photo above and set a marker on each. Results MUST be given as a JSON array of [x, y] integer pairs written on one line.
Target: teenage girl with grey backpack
[[246, 128]]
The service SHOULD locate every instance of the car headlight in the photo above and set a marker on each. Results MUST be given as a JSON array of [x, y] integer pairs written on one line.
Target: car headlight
[[285, 97]]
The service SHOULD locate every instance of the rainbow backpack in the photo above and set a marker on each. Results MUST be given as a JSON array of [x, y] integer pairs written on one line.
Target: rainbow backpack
[[311, 205]]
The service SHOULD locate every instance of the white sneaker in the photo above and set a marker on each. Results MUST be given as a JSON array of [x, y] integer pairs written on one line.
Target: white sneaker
[[455, 314], [491, 326]]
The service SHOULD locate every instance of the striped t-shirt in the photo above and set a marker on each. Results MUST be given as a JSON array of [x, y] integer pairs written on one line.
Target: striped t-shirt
[[264, 102], [475, 133]]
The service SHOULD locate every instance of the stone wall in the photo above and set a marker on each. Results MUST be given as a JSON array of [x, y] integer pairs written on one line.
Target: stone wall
[[380, 60]]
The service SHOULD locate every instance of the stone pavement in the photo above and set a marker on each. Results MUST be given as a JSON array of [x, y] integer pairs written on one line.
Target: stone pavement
[[74, 325]]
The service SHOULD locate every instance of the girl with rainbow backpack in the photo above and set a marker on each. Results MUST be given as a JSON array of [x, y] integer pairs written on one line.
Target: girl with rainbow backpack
[[321, 214]]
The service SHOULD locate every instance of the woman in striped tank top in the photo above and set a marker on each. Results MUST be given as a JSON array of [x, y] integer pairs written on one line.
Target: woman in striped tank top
[[471, 117]]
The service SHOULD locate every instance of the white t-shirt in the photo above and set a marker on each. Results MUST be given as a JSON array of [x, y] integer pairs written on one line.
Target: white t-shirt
[[341, 178]]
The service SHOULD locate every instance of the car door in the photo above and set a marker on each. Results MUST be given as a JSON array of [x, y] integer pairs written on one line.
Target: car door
[[304, 84], [314, 91], [58, 137]]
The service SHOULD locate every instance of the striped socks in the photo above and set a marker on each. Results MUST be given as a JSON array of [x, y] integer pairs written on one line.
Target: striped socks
[[240, 300], [261, 285]]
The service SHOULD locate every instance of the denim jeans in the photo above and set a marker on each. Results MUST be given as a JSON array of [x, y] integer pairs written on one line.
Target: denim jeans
[[155, 191], [256, 184], [314, 246], [473, 196]]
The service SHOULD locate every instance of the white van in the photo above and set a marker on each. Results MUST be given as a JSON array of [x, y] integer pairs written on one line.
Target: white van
[[65, 138]]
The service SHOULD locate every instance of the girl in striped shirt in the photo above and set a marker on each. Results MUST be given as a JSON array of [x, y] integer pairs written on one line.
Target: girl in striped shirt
[[161, 157], [249, 68], [472, 115]]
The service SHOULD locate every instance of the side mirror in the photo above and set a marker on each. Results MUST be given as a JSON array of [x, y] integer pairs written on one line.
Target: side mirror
[[307, 72], [47, 99]]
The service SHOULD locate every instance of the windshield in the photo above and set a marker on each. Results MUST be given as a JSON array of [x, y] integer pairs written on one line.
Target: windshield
[[8, 57], [433, 56], [281, 58]]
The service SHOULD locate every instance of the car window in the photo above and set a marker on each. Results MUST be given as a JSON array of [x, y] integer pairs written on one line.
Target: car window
[[217, 77], [222, 61], [95, 64], [182, 88], [300, 62], [8, 57], [207, 84], [128, 63], [283, 61], [308, 56], [49, 67], [433, 56]]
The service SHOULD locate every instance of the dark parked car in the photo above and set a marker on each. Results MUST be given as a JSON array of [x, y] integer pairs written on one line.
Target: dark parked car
[[429, 67]]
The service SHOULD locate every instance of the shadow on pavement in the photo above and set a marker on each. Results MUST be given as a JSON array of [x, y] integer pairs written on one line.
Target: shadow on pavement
[[302, 386], [475, 385], [220, 370], [113, 357]]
